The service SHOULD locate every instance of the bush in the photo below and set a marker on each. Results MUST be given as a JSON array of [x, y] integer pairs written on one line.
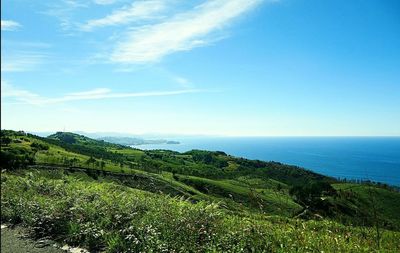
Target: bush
[[307, 193], [39, 146], [15, 159]]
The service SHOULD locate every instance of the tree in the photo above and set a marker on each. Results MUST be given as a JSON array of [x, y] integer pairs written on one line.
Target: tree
[[74, 161], [39, 146], [307, 193], [91, 160], [5, 140], [15, 159]]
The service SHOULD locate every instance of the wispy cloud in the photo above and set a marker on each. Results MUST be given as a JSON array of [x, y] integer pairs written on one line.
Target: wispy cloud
[[20, 56], [138, 10], [24, 96], [18, 61], [104, 2], [182, 81], [65, 11], [27, 97], [184, 31], [148, 30], [25, 44], [9, 25]]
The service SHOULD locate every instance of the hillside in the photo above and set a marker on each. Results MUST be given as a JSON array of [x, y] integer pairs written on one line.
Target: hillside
[[106, 196]]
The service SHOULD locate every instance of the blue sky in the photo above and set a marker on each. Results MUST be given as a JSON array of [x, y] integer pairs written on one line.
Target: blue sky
[[210, 67]]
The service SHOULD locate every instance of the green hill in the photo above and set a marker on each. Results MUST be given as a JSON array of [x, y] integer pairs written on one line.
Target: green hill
[[110, 197]]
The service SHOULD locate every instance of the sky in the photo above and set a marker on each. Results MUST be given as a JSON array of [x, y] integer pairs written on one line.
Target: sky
[[210, 67]]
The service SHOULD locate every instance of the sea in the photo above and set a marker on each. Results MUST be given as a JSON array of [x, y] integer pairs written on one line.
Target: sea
[[356, 158]]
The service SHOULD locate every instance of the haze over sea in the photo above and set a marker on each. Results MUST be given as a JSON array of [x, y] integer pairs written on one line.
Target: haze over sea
[[373, 158]]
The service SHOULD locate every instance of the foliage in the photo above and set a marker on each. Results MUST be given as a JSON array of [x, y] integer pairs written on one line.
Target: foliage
[[115, 218], [107, 196], [308, 193], [211, 158], [39, 146], [15, 158]]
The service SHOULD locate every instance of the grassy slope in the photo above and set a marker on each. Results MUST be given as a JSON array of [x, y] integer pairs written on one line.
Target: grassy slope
[[108, 216], [241, 187], [267, 200], [273, 201], [237, 185], [364, 197]]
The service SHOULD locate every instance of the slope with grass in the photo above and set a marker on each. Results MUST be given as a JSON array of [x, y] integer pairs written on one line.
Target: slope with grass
[[108, 216], [115, 198]]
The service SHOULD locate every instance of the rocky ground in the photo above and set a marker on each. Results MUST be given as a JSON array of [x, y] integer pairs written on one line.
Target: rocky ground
[[15, 240]]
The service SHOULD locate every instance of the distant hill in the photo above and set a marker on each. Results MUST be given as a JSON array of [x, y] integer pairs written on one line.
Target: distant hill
[[116, 138], [131, 141]]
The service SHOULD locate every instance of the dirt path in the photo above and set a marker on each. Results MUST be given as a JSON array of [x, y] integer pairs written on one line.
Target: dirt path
[[15, 241]]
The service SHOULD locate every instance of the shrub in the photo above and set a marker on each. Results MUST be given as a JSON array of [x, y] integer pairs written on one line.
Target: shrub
[[39, 146]]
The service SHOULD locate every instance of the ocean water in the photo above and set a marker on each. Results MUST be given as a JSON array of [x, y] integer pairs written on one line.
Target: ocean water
[[373, 158]]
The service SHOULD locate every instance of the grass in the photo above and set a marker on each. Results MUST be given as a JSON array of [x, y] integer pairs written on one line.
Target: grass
[[56, 155], [386, 202], [262, 183], [199, 201], [265, 200], [130, 152], [115, 218]]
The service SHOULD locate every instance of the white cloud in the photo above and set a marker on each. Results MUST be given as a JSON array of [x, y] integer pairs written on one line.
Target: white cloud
[[18, 61], [25, 44], [66, 11], [104, 2], [23, 96], [27, 97], [91, 93], [181, 80], [138, 10], [74, 3], [9, 25], [183, 31]]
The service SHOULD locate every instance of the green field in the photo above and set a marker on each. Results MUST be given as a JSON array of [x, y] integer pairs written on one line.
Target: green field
[[112, 198]]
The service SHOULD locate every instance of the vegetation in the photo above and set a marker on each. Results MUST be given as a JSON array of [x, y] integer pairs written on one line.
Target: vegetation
[[109, 197]]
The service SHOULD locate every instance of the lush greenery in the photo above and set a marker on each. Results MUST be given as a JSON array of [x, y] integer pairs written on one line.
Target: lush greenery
[[115, 198]]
